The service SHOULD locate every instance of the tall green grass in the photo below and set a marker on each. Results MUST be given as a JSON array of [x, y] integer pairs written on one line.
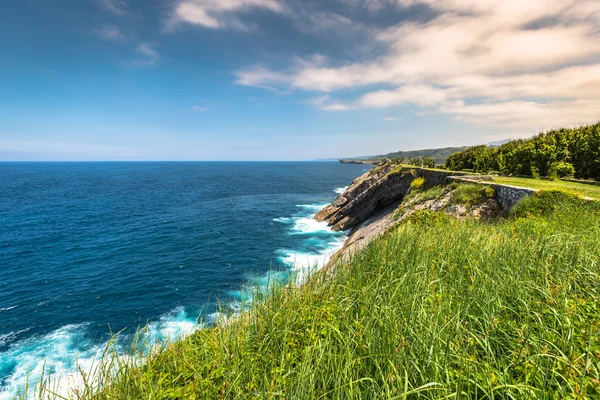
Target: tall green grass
[[437, 308]]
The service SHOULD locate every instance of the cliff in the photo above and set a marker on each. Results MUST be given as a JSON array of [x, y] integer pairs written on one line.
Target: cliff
[[388, 193], [383, 186]]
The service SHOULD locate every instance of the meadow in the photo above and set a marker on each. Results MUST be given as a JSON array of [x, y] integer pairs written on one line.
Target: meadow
[[581, 189]]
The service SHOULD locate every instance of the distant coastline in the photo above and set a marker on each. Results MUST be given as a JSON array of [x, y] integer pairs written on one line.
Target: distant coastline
[[361, 162]]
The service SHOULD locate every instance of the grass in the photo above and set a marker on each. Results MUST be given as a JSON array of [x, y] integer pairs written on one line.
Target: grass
[[438, 308], [471, 194], [581, 189]]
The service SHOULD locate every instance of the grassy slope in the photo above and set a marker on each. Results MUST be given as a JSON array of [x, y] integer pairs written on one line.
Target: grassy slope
[[581, 189], [438, 307]]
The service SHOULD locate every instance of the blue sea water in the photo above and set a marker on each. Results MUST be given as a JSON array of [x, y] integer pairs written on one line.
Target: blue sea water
[[87, 249]]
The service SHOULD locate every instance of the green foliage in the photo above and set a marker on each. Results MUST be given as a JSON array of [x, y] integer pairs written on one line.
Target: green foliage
[[417, 184], [427, 162], [548, 202], [398, 160], [562, 169], [426, 218], [417, 161], [535, 172], [471, 194], [547, 153], [438, 308], [439, 155]]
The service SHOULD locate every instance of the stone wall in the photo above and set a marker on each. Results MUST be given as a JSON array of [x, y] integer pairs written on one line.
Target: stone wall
[[506, 195]]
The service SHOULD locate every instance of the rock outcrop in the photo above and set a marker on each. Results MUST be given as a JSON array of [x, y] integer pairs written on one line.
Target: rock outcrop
[[371, 193], [369, 230]]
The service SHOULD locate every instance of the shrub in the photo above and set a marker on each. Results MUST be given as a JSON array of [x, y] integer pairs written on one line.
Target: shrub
[[535, 172], [415, 161], [562, 169], [471, 194], [428, 162], [417, 184], [427, 218]]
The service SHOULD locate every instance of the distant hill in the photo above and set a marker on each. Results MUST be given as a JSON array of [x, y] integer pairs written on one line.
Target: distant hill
[[438, 155], [499, 142]]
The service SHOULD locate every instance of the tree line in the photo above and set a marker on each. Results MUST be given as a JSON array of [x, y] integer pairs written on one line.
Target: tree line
[[556, 154]]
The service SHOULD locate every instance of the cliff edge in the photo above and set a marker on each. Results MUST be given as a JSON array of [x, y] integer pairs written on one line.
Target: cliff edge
[[383, 186]]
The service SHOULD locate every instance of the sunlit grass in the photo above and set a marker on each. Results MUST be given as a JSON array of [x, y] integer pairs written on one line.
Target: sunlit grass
[[437, 308], [581, 189]]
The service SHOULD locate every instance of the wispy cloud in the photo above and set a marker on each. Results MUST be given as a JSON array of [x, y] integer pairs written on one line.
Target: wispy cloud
[[497, 62], [390, 119], [111, 32], [146, 56], [326, 103], [219, 14], [199, 109], [117, 7]]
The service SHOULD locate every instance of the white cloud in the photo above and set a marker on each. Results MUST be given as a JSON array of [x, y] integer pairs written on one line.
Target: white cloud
[[199, 109], [219, 14], [117, 7], [325, 103], [146, 56], [260, 77], [390, 119], [534, 59], [111, 32], [527, 114], [421, 95]]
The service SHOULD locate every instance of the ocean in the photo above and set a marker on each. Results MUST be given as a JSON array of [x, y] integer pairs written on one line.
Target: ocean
[[90, 249]]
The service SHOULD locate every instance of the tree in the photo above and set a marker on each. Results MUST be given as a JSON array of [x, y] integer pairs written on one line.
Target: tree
[[415, 161], [428, 162]]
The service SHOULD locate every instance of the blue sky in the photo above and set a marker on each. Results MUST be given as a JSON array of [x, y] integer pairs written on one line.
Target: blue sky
[[288, 80]]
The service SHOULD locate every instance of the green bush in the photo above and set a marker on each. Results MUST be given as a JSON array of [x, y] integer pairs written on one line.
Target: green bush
[[562, 169], [535, 172], [428, 162], [417, 161], [471, 194]]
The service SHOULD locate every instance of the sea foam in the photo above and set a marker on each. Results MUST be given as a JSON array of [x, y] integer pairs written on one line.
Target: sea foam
[[61, 355], [318, 245]]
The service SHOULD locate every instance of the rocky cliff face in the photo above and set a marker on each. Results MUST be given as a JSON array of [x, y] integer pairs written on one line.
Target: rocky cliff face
[[383, 186]]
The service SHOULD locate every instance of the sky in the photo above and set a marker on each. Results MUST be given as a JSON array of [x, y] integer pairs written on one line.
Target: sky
[[289, 80]]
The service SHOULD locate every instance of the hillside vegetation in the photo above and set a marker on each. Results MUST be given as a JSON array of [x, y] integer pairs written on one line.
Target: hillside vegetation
[[438, 156], [438, 307], [558, 153]]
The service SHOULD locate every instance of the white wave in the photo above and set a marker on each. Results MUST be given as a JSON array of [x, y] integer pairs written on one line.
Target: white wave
[[62, 351], [7, 338], [61, 355], [308, 225], [341, 190], [8, 308], [283, 220], [170, 327], [10, 336], [304, 263], [315, 208]]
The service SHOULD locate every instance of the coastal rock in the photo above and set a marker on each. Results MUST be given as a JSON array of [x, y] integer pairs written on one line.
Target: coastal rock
[[369, 194]]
